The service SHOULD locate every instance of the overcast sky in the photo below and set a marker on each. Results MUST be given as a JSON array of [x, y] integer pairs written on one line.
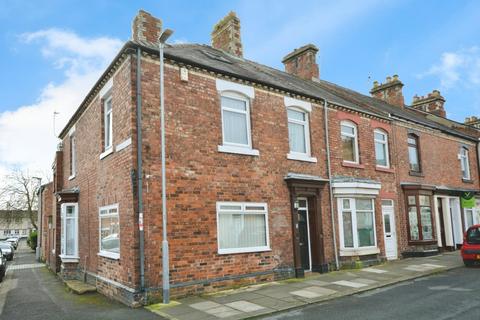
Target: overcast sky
[[52, 52]]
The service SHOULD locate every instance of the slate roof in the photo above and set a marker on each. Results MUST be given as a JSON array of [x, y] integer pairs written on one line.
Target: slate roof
[[218, 61]]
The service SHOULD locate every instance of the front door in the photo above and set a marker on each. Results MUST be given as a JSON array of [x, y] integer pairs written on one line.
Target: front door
[[304, 232], [389, 229]]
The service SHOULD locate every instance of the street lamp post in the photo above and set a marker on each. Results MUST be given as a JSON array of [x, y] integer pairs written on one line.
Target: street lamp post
[[39, 218], [165, 260]]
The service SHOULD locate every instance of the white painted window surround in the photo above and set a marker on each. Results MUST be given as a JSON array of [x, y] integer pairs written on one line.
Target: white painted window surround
[[298, 115], [235, 102], [242, 227], [69, 232]]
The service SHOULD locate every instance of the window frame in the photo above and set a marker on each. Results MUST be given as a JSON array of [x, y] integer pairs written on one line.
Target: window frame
[[73, 156], [241, 97], [419, 218], [353, 125], [464, 156], [105, 253], [243, 211], [417, 147], [385, 143], [63, 243], [353, 211], [107, 145]]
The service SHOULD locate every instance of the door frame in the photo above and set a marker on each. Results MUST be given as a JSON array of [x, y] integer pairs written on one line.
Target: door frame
[[308, 230], [393, 228], [449, 231]]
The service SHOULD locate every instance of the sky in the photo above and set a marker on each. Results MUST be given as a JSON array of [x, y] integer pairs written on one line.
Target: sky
[[52, 52]]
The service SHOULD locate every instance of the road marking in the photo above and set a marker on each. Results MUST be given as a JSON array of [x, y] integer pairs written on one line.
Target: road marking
[[350, 284]]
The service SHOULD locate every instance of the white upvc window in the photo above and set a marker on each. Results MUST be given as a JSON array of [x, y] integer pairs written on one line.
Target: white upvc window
[[357, 223], [236, 133], [108, 123], [349, 142], [464, 163], [381, 148], [242, 227], [109, 231], [69, 231], [73, 156]]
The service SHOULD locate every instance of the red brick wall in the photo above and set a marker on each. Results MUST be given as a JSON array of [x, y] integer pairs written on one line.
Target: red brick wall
[[106, 181], [439, 163], [47, 211]]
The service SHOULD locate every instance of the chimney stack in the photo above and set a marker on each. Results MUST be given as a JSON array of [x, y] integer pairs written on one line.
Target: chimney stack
[[390, 91], [146, 28], [472, 121], [226, 35], [302, 62], [432, 103]]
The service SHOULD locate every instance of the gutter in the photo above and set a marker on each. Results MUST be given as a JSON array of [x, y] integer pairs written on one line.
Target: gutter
[[330, 186], [140, 170]]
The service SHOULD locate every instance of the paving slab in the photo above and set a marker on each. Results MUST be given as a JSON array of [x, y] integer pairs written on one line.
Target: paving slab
[[278, 296]]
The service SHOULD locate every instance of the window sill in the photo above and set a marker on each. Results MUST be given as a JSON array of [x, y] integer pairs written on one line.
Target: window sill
[[106, 153], [69, 259], [71, 177], [238, 150], [244, 250], [109, 255], [415, 173], [384, 169], [353, 165], [301, 157], [422, 242], [467, 181], [349, 252]]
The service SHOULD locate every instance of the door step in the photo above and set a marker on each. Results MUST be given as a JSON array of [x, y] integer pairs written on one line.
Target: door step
[[79, 287]]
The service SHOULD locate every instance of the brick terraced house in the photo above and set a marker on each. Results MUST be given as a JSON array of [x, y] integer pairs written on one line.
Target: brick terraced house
[[270, 174]]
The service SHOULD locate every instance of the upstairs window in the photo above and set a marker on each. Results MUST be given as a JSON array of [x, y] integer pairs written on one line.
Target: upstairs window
[[413, 153], [381, 148], [298, 131], [236, 120], [464, 163], [349, 142], [107, 119], [73, 156]]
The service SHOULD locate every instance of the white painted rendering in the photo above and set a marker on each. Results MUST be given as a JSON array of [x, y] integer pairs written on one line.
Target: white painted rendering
[[292, 102], [223, 85]]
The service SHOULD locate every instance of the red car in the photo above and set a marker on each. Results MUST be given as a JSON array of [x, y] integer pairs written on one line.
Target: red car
[[471, 245]]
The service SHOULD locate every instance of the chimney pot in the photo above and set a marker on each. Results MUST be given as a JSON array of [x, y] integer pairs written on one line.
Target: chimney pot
[[389, 79], [390, 91]]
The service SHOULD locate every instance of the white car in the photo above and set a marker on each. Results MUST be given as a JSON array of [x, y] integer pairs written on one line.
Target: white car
[[13, 241]]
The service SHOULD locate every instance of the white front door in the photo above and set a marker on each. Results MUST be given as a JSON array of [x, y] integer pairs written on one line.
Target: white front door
[[389, 229], [455, 216]]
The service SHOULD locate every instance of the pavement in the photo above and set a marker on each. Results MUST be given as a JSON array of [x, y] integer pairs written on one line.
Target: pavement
[[276, 297], [31, 291], [447, 295]]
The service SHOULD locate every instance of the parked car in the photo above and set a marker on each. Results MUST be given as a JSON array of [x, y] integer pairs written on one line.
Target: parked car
[[13, 241], [3, 265], [7, 250], [471, 246]]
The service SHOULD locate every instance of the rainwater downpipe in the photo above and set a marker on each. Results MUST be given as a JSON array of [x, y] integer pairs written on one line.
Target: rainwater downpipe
[[329, 170], [140, 171]]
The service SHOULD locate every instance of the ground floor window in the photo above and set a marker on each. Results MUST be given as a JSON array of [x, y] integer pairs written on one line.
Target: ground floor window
[[6, 232], [109, 231], [357, 222], [242, 227], [69, 233], [420, 219]]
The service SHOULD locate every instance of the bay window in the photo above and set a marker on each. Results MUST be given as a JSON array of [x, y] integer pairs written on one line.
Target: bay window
[[69, 230], [381, 148], [242, 227], [420, 218], [109, 230], [357, 223], [349, 141]]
